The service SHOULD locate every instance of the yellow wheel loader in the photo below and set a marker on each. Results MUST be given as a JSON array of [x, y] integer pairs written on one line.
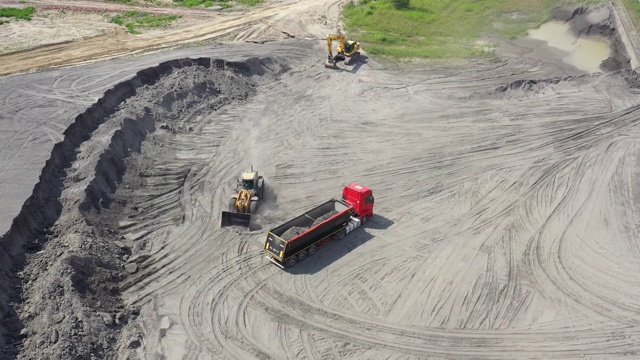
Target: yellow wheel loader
[[346, 51], [250, 187]]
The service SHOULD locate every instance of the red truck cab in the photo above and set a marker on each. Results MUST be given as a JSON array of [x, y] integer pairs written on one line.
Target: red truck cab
[[361, 198]]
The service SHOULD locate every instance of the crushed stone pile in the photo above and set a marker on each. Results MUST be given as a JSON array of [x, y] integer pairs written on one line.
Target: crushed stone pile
[[324, 217], [297, 230], [293, 232]]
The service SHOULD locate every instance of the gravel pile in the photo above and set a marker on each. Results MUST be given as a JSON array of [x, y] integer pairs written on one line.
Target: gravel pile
[[293, 232], [297, 230], [324, 217]]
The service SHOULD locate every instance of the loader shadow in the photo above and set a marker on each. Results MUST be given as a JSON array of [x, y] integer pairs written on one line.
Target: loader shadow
[[269, 205], [335, 250]]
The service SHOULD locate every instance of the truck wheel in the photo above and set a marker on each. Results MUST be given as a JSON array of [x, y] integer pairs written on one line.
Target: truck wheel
[[339, 235], [253, 205], [291, 262], [311, 250], [302, 256], [232, 205]]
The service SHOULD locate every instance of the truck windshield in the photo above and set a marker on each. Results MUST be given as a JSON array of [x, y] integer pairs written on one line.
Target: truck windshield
[[275, 246]]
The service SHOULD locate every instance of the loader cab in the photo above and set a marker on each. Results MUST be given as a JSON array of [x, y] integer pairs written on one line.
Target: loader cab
[[248, 180], [361, 198], [246, 184]]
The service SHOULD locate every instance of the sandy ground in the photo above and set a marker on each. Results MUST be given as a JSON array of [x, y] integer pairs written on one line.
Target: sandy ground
[[273, 20], [506, 206], [50, 27]]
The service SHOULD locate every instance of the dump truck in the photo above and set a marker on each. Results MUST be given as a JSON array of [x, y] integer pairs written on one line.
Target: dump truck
[[295, 240]]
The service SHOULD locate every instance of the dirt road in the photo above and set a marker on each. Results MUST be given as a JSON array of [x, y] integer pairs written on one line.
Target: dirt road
[[286, 14], [505, 227]]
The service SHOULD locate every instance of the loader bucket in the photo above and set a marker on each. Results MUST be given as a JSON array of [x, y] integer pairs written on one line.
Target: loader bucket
[[235, 219]]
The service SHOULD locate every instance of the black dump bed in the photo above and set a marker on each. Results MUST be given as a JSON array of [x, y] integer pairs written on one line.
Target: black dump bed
[[308, 228]]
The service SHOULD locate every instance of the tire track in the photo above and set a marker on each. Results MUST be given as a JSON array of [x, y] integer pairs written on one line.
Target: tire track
[[505, 222]]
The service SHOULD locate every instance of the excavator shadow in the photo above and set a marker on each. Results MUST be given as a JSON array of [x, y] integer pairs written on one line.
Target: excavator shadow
[[357, 63], [352, 67], [335, 250]]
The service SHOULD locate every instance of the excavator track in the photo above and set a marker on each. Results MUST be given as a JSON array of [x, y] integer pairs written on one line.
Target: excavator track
[[348, 60], [352, 59]]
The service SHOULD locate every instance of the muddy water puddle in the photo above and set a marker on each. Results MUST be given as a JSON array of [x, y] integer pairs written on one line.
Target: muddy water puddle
[[583, 53]]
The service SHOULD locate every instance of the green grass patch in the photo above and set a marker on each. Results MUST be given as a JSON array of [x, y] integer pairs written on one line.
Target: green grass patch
[[225, 4], [20, 14], [2, 22], [443, 28], [249, 2], [189, 3], [633, 8], [135, 20], [209, 3]]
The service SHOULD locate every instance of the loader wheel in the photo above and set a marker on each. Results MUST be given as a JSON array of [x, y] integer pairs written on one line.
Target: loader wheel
[[302, 256], [253, 206], [311, 250], [232, 205], [291, 262]]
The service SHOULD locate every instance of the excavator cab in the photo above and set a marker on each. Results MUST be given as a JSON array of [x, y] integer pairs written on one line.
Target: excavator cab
[[349, 47]]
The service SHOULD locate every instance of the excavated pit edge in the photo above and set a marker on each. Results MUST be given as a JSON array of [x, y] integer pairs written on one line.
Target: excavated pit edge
[[42, 209]]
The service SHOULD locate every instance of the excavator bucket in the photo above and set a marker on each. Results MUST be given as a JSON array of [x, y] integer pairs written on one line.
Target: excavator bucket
[[235, 219], [330, 64]]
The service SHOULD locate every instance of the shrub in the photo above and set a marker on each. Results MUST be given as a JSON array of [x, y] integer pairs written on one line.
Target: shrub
[[400, 4], [20, 14], [133, 20]]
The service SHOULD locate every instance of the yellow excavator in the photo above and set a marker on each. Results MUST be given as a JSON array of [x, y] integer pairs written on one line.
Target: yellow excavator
[[250, 188], [346, 51]]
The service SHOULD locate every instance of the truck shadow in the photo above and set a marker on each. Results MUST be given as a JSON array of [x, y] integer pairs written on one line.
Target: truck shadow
[[335, 250]]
